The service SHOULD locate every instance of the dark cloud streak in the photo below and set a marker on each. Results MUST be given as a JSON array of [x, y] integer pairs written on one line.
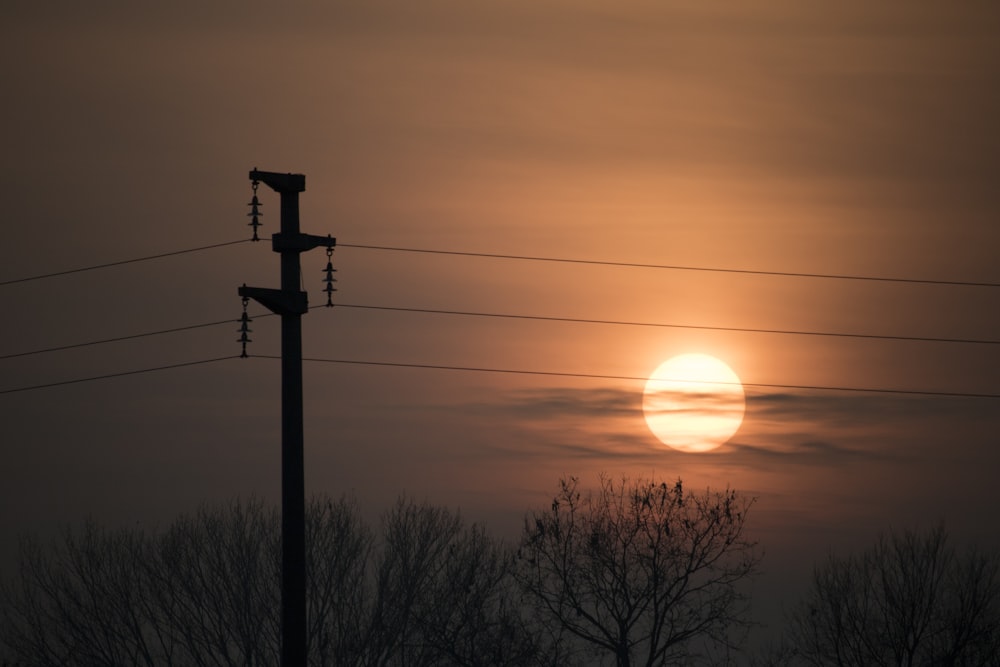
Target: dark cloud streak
[[554, 416]]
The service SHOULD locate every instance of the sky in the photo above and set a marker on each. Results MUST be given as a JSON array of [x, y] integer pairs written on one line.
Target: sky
[[849, 138]]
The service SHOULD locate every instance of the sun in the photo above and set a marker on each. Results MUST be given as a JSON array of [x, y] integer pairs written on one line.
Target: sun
[[693, 402]]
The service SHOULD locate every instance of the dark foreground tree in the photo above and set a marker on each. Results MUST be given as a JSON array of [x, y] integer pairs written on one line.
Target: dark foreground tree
[[204, 592], [75, 603], [431, 591], [911, 599], [443, 595], [638, 572]]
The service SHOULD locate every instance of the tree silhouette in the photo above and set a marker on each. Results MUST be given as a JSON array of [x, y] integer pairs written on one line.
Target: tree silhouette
[[638, 571], [81, 602], [339, 547], [431, 591], [911, 599], [443, 594], [210, 581]]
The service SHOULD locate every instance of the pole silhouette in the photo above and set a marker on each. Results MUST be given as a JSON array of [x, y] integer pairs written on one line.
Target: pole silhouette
[[290, 303]]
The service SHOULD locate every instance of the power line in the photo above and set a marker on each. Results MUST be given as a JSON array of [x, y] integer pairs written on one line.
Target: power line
[[120, 338], [508, 371], [144, 334], [121, 262], [534, 258], [665, 325], [519, 316], [676, 267], [116, 375], [758, 385]]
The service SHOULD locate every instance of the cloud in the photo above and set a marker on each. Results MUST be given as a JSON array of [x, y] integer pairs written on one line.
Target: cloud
[[807, 428], [809, 452], [833, 408], [559, 403], [813, 407]]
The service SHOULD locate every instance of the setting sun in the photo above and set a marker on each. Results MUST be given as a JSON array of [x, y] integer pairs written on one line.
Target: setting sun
[[693, 402]]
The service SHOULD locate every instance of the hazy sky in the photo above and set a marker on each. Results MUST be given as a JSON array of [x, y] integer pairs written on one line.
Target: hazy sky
[[837, 138]]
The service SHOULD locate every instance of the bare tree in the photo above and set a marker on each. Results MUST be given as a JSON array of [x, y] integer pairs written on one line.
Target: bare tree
[[443, 594], [338, 552], [204, 592], [81, 602], [211, 577], [433, 591], [471, 616], [909, 600], [639, 571]]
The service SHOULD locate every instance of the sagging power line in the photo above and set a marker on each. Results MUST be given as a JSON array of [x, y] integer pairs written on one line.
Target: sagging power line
[[511, 371], [519, 316], [524, 316], [118, 339], [677, 267], [133, 260], [107, 376], [636, 378], [538, 258], [670, 325]]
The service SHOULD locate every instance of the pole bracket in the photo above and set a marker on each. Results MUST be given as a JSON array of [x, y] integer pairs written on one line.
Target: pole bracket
[[280, 182], [278, 301], [300, 242]]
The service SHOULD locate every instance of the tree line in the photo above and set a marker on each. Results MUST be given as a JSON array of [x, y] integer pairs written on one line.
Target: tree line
[[630, 572]]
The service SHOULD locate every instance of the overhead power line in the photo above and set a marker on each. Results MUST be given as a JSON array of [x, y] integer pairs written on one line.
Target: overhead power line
[[666, 325], [596, 376], [520, 316], [507, 371], [116, 375], [118, 339], [677, 267], [536, 258], [144, 334], [121, 262]]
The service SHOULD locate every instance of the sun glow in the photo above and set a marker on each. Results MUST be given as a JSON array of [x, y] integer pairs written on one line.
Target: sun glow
[[693, 403]]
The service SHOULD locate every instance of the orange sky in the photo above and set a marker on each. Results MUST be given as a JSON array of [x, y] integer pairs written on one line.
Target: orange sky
[[774, 136]]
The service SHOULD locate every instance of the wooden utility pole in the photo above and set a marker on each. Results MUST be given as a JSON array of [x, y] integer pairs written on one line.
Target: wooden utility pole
[[290, 303]]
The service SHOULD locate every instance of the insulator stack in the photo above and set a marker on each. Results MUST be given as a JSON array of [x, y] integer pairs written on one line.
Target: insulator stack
[[255, 213], [244, 329], [329, 279]]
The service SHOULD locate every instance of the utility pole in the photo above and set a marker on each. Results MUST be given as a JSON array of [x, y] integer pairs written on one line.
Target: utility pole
[[290, 303]]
